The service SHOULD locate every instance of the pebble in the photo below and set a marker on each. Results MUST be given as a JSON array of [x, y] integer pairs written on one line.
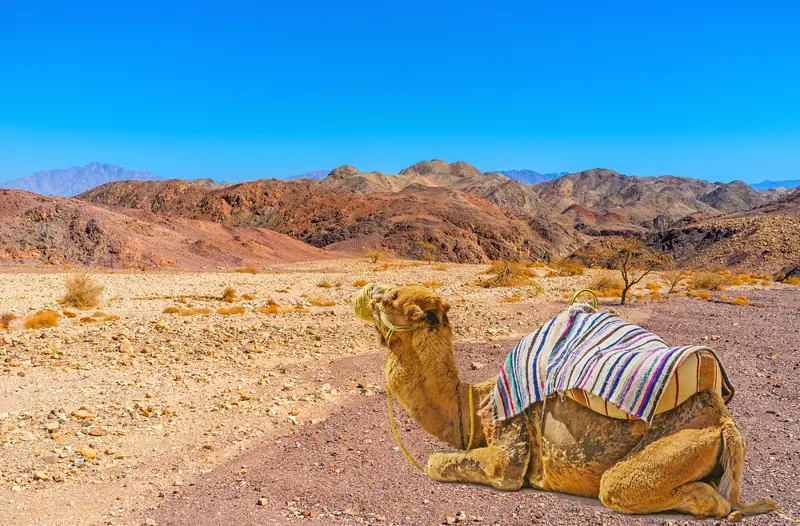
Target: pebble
[[88, 453], [41, 475], [477, 366], [262, 502]]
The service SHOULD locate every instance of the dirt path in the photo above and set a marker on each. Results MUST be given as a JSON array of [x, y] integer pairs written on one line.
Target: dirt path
[[347, 470]]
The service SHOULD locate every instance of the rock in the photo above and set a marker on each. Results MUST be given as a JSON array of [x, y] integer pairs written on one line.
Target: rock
[[83, 414], [50, 459], [41, 475], [476, 366], [97, 432], [88, 453], [52, 427], [262, 501], [735, 516], [58, 477]]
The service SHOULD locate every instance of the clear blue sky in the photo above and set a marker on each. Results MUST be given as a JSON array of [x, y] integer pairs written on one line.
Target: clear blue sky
[[236, 90]]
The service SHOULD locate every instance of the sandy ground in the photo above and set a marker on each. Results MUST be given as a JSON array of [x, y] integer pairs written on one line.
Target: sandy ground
[[192, 420]]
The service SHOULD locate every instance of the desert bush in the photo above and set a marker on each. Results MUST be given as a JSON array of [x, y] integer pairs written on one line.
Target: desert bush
[[510, 299], [316, 301], [172, 310], [195, 311], [375, 255], [674, 277], [428, 251], [705, 295], [229, 295], [433, 284], [325, 284], [507, 274], [82, 292], [441, 267], [231, 310], [653, 287], [709, 281], [794, 280], [740, 301], [360, 283], [605, 282], [568, 267], [272, 307], [6, 319], [41, 319], [248, 270], [247, 297]]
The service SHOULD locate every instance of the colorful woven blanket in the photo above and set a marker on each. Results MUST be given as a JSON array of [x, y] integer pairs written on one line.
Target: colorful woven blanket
[[601, 355]]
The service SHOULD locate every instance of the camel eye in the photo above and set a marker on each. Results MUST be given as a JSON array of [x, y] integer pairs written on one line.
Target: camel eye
[[431, 317]]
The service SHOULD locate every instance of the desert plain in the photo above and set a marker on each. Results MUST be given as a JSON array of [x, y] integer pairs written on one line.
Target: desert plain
[[273, 410]]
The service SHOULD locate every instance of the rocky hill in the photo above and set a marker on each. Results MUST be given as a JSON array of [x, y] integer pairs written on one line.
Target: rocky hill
[[769, 185], [418, 222], [68, 182], [36, 229], [530, 176], [764, 238]]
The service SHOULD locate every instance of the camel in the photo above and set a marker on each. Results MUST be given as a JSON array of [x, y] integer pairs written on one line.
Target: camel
[[688, 460]]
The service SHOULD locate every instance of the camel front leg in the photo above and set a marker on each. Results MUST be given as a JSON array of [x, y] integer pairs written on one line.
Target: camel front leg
[[502, 464]]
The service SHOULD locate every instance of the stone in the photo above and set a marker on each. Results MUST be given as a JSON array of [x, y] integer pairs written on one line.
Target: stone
[[88, 453], [52, 426], [41, 475], [83, 414], [262, 501], [476, 366]]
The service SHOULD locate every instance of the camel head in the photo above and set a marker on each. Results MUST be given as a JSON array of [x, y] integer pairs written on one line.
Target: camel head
[[401, 309]]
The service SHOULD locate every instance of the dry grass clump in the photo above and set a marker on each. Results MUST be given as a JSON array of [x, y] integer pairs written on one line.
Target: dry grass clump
[[375, 255], [510, 299], [325, 284], [567, 267], [606, 281], [360, 283], [187, 312], [316, 301], [433, 284], [247, 297], [248, 270], [710, 281], [42, 319], [272, 307], [507, 274], [653, 287], [231, 310], [229, 295], [792, 281], [82, 292], [674, 278], [6, 319], [98, 317], [68, 314], [441, 267], [739, 301], [172, 310]]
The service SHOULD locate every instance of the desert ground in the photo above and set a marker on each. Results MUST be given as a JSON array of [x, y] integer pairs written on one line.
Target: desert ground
[[136, 416]]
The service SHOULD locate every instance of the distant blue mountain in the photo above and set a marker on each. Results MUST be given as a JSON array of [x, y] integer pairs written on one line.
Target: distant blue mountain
[[67, 182], [530, 176], [767, 185]]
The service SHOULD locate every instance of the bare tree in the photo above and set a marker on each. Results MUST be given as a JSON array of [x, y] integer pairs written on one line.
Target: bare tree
[[634, 260], [674, 277]]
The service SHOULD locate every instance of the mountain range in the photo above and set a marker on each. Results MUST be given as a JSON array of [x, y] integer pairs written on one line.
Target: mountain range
[[67, 182], [430, 210]]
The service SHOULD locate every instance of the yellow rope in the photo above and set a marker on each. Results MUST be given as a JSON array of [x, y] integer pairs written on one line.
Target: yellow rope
[[590, 291], [390, 396]]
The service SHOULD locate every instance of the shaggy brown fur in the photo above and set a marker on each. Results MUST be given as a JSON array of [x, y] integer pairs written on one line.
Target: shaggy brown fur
[[674, 464]]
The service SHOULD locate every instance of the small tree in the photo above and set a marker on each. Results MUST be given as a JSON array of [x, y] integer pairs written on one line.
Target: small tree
[[375, 255], [634, 261], [428, 251], [674, 277]]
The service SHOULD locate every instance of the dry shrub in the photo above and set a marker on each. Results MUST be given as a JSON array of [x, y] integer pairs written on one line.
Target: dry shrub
[[794, 280], [316, 301], [248, 270], [385, 266], [510, 299], [433, 284], [247, 297], [766, 283], [655, 295], [724, 297], [441, 267], [765, 277], [172, 310], [273, 308], [375, 255], [231, 310], [740, 301], [229, 295], [605, 282], [705, 295], [674, 277], [325, 284], [87, 319], [360, 283], [282, 291], [507, 274], [6, 319], [69, 314], [195, 311], [567, 267], [82, 292], [709, 281], [654, 287], [41, 319]]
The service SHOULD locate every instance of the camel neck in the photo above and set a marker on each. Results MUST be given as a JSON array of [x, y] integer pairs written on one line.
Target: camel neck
[[422, 373]]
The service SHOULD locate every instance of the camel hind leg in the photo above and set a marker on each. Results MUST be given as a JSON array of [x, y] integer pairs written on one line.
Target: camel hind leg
[[732, 460], [665, 475]]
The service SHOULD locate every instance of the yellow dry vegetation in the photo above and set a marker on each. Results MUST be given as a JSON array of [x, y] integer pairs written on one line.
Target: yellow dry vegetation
[[82, 292], [740, 301], [360, 282], [6, 319], [42, 319], [433, 284], [231, 310], [567, 267], [507, 274], [248, 270], [317, 301]]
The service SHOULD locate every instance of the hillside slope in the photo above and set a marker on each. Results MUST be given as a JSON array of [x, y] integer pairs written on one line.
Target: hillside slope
[[36, 229]]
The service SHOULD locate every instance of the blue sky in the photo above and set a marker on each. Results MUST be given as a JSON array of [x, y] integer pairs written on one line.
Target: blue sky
[[238, 90]]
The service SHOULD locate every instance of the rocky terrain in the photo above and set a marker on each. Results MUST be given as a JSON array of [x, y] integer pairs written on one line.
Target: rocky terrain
[[142, 417], [68, 182], [52, 230], [419, 222], [765, 238]]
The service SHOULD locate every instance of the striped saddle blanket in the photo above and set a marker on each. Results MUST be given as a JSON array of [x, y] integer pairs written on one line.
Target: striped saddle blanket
[[606, 364]]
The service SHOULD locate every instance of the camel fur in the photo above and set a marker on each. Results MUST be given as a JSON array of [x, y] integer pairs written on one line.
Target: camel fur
[[688, 460]]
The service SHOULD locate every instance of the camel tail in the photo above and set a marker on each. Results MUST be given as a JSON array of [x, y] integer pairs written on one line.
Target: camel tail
[[730, 486]]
